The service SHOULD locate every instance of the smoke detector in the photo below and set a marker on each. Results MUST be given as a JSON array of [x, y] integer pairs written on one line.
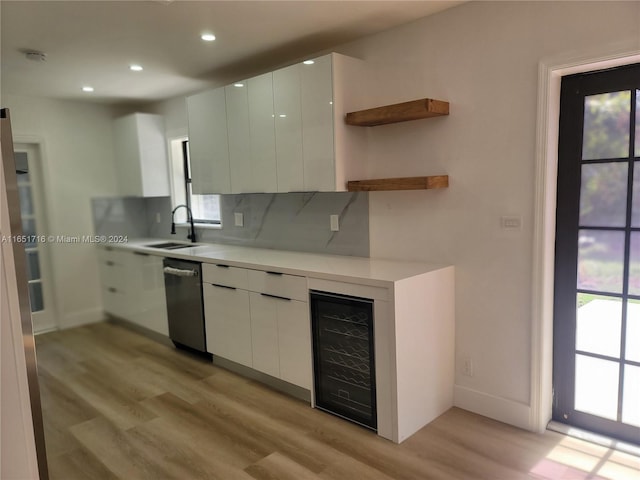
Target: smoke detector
[[35, 55]]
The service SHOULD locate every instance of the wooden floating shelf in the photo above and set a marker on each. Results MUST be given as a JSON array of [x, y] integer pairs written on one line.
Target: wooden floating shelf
[[403, 183], [400, 112]]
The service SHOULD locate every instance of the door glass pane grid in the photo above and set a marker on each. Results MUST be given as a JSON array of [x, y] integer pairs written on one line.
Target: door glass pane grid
[[596, 387], [634, 264], [603, 194], [632, 348], [631, 396], [601, 260], [27, 215], [635, 199], [599, 324], [604, 258], [606, 125], [637, 142], [36, 298]]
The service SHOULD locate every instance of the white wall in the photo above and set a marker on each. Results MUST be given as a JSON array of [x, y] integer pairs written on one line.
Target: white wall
[[78, 162], [483, 58]]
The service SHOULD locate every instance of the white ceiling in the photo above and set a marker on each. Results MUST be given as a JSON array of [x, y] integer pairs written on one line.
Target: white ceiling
[[93, 42]]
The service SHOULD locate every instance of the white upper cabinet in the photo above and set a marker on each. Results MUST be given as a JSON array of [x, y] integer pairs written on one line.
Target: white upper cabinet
[[208, 142], [262, 136], [316, 88], [288, 128], [283, 131], [141, 155], [238, 135]]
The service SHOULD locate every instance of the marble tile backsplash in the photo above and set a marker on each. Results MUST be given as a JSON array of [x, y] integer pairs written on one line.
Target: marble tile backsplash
[[285, 221], [120, 216]]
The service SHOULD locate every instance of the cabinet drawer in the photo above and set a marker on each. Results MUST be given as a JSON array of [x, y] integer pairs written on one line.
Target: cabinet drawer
[[115, 302], [279, 284], [110, 256], [221, 274]]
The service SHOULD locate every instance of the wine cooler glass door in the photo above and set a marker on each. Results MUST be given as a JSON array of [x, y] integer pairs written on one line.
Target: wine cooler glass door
[[344, 356]]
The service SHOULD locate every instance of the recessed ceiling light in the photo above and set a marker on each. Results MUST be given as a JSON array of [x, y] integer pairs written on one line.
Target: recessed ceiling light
[[135, 67], [308, 62], [208, 37], [238, 85], [87, 88]]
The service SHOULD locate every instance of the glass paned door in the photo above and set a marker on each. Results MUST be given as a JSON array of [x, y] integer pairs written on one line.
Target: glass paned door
[[30, 213], [597, 271]]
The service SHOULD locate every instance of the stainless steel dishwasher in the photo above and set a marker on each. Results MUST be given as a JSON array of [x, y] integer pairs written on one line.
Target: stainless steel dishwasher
[[183, 284]]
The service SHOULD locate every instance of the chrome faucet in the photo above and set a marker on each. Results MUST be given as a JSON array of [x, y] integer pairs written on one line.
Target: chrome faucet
[[192, 233]]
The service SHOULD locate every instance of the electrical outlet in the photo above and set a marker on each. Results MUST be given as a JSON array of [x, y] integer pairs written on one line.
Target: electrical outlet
[[334, 223], [511, 222], [467, 367], [239, 219], [158, 218]]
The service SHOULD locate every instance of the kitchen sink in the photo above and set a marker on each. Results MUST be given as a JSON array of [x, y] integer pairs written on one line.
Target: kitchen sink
[[171, 245]]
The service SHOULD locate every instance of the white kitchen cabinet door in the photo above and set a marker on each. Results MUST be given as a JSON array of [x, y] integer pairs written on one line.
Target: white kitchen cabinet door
[[148, 294], [294, 342], [228, 323], [264, 334], [317, 125], [288, 128], [141, 156], [238, 135], [262, 134], [208, 144]]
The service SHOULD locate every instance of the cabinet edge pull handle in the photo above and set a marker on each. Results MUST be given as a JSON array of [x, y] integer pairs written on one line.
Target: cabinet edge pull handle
[[221, 265], [224, 286], [142, 254], [275, 296], [268, 272]]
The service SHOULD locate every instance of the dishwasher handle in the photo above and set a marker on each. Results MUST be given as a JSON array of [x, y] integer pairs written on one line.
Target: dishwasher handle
[[179, 272]]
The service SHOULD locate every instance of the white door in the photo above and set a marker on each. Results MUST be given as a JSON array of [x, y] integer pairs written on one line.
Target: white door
[[30, 190]]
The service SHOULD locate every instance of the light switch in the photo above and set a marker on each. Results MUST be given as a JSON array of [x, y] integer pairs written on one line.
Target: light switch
[[334, 223], [239, 219]]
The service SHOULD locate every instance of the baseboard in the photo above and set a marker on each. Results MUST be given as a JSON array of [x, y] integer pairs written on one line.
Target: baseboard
[[497, 408], [84, 317]]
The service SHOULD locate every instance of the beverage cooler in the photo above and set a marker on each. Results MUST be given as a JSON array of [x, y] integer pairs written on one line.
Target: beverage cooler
[[343, 356]]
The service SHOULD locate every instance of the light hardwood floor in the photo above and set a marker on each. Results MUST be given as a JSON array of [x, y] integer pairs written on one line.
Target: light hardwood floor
[[120, 406]]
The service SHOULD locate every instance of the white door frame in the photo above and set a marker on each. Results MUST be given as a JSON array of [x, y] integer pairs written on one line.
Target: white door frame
[[550, 73]]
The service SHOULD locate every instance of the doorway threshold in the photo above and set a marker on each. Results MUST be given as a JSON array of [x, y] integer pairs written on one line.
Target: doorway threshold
[[596, 438]]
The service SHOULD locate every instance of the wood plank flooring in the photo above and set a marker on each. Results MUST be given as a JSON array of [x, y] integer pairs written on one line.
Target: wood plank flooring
[[117, 405]]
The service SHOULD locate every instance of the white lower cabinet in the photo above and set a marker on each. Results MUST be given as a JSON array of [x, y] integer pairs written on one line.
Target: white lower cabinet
[[281, 338], [148, 299], [133, 288], [264, 334], [259, 319], [228, 323], [294, 343]]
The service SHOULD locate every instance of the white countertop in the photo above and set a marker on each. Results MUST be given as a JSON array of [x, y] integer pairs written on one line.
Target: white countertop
[[362, 270]]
